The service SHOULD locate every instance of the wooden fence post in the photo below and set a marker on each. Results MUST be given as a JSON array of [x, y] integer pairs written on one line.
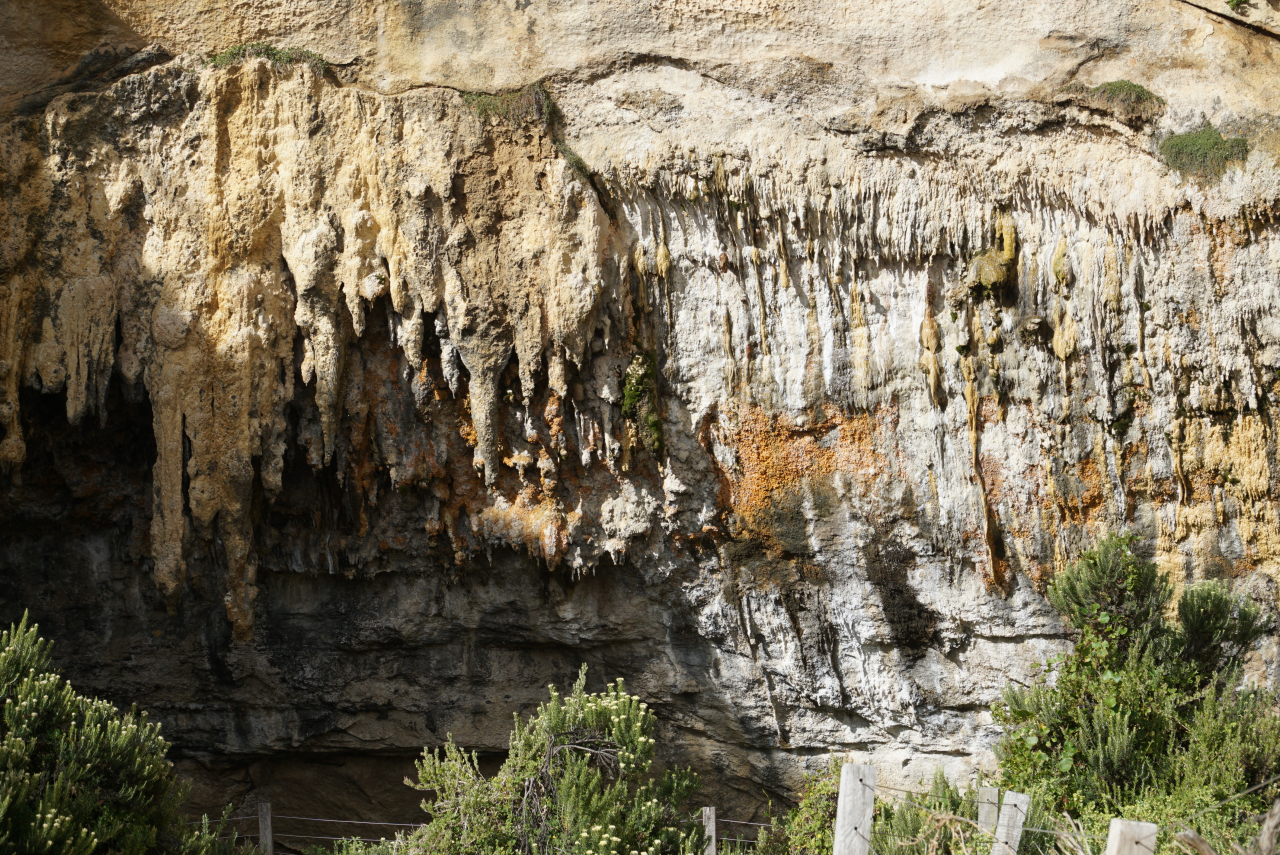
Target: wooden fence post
[[855, 809], [265, 841], [709, 823], [1013, 815], [988, 808], [1130, 837]]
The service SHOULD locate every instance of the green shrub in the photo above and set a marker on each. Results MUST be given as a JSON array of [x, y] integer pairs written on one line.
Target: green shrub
[[578, 779], [809, 828], [1203, 154], [76, 776], [356, 846], [264, 50], [1145, 718]]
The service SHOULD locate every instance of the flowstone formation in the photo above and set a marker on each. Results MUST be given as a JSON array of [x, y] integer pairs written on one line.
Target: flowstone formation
[[343, 410]]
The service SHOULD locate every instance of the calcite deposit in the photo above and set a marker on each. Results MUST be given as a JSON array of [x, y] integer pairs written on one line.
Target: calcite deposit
[[770, 355]]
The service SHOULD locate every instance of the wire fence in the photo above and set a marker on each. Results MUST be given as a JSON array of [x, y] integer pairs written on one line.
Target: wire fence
[[1004, 830], [853, 833], [266, 832]]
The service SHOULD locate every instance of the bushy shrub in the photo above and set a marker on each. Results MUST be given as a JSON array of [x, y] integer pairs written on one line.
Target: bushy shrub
[[1146, 717], [578, 779], [809, 827], [356, 846], [1204, 153], [76, 776]]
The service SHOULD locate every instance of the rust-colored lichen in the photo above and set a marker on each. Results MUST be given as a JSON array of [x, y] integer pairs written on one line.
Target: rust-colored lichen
[[783, 468]]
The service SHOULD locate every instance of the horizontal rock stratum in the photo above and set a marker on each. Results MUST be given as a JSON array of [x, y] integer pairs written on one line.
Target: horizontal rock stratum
[[770, 355]]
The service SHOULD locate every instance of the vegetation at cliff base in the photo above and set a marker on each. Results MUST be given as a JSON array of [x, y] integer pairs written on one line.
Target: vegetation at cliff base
[[265, 50], [1147, 718], [77, 777], [941, 821], [1203, 154], [579, 779]]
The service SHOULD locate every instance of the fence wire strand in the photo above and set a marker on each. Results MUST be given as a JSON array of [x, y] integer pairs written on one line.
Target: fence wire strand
[[911, 798]]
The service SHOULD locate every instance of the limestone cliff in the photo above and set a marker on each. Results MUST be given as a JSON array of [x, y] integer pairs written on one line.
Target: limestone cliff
[[771, 355]]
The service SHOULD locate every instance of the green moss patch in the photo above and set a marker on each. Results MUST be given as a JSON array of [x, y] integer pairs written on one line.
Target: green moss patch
[[264, 50], [1126, 100], [1128, 93], [1204, 154], [530, 105], [640, 402]]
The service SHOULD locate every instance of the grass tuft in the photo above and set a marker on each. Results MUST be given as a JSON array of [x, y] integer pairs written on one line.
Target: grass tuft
[[265, 50], [1129, 101], [576, 163], [1203, 154], [530, 105]]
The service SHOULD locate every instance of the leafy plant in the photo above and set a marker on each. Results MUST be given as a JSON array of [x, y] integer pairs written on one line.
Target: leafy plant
[[1145, 718], [356, 846], [808, 828], [1204, 154], [578, 779], [77, 777], [265, 50]]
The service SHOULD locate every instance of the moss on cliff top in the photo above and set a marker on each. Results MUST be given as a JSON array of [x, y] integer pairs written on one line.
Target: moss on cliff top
[[1128, 93]]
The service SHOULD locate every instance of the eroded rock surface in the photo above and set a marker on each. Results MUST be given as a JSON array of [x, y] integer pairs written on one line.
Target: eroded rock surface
[[342, 411]]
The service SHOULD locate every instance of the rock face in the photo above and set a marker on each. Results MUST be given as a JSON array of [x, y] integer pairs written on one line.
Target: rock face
[[769, 355]]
